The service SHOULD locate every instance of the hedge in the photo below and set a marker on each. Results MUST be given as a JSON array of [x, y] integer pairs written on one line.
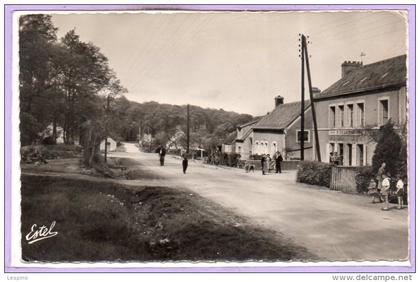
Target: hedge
[[230, 159], [314, 173]]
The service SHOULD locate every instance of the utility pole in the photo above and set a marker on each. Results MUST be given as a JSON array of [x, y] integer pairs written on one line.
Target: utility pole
[[302, 105], [106, 128], [188, 128], [305, 48]]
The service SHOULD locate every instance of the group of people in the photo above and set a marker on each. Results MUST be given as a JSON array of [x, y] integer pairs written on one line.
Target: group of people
[[380, 188], [161, 150], [265, 162]]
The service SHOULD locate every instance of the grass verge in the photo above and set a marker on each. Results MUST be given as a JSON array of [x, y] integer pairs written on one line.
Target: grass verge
[[104, 221]]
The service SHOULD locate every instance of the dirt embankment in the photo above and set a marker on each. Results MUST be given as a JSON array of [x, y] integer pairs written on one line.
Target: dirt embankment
[[107, 221]]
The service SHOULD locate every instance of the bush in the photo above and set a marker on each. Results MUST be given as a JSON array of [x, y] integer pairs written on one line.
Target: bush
[[388, 150], [363, 176], [314, 173], [48, 152]]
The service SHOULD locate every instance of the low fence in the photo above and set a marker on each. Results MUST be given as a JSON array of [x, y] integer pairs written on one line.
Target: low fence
[[285, 165], [343, 178]]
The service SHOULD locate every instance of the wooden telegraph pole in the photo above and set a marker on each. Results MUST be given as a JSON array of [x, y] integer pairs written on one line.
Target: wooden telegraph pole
[[305, 59], [188, 128], [318, 152], [106, 128], [302, 105]]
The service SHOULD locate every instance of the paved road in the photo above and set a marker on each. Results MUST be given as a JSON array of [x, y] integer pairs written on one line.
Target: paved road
[[333, 225]]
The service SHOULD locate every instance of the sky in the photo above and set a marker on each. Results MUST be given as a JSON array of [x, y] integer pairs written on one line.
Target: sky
[[237, 61]]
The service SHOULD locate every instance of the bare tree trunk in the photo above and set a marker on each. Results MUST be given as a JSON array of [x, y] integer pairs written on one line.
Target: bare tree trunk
[[54, 134], [93, 150]]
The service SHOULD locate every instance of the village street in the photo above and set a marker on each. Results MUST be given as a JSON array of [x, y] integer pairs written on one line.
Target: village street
[[333, 225]]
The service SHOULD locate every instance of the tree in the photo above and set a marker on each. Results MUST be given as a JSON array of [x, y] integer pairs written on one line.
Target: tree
[[36, 38], [85, 73], [389, 150]]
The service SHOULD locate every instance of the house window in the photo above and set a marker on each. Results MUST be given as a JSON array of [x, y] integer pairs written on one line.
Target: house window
[[257, 147], [350, 115], [360, 154], [332, 117], [340, 153], [361, 114], [383, 111], [306, 137], [350, 154], [341, 116]]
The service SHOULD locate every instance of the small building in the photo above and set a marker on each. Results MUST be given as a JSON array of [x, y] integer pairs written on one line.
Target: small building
[[111, 145], [279, 130], [243, 142], [363, 99]]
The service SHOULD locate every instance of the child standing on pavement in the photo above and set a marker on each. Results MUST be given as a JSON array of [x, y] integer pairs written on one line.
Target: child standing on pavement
[[184, 164], [386, 184], [400, 192], [373, 191]]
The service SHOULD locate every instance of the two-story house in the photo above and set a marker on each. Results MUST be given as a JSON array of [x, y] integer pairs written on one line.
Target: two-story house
[[365, 98]]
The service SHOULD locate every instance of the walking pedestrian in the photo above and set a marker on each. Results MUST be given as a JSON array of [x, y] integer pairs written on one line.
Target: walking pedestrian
[[184, 164], [162, 152], [278, 159]]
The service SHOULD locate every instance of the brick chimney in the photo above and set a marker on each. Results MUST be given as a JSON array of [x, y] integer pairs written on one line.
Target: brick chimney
[[349, 66], [278, 100]]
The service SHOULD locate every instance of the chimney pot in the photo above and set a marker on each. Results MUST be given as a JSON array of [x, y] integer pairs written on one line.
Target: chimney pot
[[278, 100], [315, 90], [349, 66]]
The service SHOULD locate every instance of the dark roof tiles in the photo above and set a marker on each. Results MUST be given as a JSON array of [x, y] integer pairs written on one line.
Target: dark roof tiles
[[281, 116], [387, 73]]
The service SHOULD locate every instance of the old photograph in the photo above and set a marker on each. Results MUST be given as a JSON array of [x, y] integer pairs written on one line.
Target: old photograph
[[213, 136]]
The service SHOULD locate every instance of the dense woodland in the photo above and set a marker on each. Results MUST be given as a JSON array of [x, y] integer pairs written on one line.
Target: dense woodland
[[68, 84], [208, 127]]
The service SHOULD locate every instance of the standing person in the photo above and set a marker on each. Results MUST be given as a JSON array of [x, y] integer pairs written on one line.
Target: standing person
[[162, 152], [267, 164], [336, 158], [263, 164], [386, 184], [331, 159], [373, 190], [400, 192], [380, 175], [184, 164], [278, 159]]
